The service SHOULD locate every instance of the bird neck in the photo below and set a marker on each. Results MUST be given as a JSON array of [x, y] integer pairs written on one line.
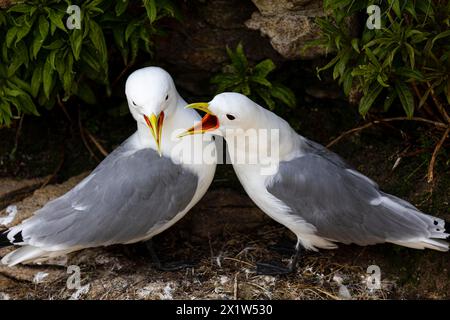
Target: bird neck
[[176, 121], [270, 140]]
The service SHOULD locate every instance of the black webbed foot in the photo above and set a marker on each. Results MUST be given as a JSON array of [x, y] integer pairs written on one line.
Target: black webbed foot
[[169, 266]]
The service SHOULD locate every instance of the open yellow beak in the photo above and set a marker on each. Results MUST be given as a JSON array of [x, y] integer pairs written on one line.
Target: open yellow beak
[[155, 124], [208, 123]]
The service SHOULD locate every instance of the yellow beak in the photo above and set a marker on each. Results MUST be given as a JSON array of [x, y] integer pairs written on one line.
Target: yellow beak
[[155, 124], [202, 106], [208, 123]]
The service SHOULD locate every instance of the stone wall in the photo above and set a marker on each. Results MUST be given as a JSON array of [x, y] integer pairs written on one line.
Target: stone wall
[[194, 48]]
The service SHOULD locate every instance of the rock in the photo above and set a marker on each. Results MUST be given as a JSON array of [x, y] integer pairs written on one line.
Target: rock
[[12, 190], [290, 25], [5, 4], [194, 49], [40, 197], [223, 210]]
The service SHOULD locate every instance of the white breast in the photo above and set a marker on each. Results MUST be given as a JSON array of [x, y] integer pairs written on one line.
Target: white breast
[[255, 185]]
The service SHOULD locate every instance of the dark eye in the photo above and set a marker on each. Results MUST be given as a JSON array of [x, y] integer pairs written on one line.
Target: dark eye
[[134, 103], [167, 97], [230, 117]]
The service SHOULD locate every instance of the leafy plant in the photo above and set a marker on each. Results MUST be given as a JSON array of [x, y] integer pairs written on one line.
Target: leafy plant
[[407, 60], [252, 81], [42, 60]]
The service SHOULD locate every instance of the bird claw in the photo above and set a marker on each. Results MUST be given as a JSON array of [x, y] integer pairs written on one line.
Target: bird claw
[[283, 248]]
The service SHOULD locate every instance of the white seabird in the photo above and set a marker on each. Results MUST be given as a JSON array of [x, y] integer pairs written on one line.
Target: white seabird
[[136, 192], [312, 191]]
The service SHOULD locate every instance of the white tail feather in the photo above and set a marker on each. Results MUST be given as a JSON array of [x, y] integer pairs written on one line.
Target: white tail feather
[[438, 245], [22, 255]]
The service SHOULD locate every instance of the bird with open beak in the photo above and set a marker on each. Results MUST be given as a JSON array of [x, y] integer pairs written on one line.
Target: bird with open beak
[[136, 192], [313, 192]]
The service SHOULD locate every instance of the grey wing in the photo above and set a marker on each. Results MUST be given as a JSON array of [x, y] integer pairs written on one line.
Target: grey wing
[[346, 206], [130, 193]]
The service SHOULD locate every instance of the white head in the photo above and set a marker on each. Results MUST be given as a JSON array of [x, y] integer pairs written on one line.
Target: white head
[[151, 96], [228, 111]]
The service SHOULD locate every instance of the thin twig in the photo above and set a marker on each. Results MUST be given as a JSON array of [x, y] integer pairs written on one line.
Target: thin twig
[[121, 74], [235, 287], [96, 143], [63, 108], [426, 105], [435, 153], [55, 172], [16, 141], [369, 124], [438, 104], [86, 144]]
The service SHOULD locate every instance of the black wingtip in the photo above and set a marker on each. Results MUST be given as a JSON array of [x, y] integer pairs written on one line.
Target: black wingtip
[[5, 242]]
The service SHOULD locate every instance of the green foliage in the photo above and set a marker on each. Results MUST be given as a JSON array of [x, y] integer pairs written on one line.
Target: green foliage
[[407, 60], [240, 77], [42, 60]]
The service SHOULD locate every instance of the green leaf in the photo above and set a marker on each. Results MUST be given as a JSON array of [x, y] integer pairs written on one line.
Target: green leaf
[[390, 97], [382, 80], [410, 74], [43, 27], [410, 50], [57, 44], [283, 94], [406, 98], [47, 77], [68, 75], [36, 46], [36, 80], [119, 38], [261, 81], [91, 61], [396, 7], [27, 105], [18, 60], [238, 59], [131, 27], [98, 40], [13, 92], [225, 81], [121, 7], [11, 35], [76, 41], [85, 93], [368, 99], [20, 8], [328, 65], [56, 19], [441, 35], [150, 7], [424, 97], [372, 57], [265, 95], [263, 68], [245, 89], [347, 81], [355, 44]]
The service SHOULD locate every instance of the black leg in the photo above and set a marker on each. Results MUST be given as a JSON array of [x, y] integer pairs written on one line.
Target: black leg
[[272, 269], [172, 266]]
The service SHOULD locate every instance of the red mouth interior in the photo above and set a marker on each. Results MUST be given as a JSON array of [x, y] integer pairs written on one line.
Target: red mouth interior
[[209, 122]]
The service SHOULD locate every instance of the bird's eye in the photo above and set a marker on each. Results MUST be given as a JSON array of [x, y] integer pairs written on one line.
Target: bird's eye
[[230, 117], [134, 103], [167, 97]]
